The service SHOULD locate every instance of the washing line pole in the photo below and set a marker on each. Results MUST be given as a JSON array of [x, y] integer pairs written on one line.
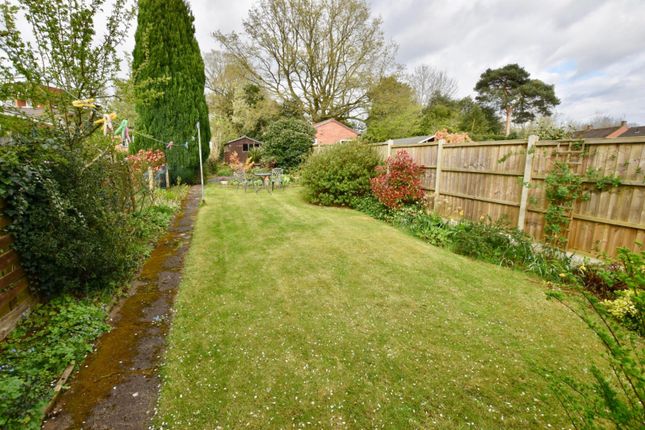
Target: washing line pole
[[201, 165]]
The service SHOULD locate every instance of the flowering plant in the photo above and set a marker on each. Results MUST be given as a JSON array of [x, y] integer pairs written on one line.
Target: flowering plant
[[400, 183], [144, 159]]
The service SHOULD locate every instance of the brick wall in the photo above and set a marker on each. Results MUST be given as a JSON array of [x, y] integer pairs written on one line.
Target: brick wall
[[332, 132], [15, 298]]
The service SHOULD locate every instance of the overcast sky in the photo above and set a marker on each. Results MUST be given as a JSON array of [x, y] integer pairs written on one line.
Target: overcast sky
[[592, 50]]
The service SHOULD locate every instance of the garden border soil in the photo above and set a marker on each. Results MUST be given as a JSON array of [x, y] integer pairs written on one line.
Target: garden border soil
[[118, 384]]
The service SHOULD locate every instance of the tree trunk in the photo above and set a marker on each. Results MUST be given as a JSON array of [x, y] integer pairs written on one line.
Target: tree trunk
[[508, 121]]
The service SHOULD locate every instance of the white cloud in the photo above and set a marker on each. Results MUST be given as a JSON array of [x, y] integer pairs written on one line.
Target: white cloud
[[592, 50]]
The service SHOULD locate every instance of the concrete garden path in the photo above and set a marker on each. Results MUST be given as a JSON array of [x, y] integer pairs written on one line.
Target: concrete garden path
[[118, 385]]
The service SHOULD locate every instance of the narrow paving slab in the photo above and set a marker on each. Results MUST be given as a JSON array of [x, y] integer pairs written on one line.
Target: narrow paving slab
[[118, 385]]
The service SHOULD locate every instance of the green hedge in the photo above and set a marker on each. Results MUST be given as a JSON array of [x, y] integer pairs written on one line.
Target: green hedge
[[339, 175]]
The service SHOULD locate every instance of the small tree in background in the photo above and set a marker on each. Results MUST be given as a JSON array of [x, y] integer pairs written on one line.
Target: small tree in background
[[287, 142], [400, 183], [167, 58], [393, 112], [510, 90]]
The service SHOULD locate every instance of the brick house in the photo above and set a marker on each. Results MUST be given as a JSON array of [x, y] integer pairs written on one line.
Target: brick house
[[241, 145], [20, 105], [330, 131]]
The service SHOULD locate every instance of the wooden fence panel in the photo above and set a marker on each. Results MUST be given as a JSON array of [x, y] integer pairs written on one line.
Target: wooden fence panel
[[15, 298], [486, 179]]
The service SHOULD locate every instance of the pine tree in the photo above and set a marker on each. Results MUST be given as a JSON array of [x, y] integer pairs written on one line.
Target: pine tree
[[167, 60]]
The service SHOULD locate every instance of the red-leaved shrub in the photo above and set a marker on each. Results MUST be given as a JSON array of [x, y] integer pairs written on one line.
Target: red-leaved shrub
[[400, 183]]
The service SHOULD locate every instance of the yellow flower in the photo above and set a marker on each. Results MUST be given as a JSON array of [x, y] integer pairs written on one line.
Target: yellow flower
[[582, 267]]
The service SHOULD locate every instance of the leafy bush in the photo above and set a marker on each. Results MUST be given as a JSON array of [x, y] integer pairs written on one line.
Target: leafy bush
[[601, 279], [400, 183], [339, 175], [37, 352], [69, 218], [616, 397], [287, 142]]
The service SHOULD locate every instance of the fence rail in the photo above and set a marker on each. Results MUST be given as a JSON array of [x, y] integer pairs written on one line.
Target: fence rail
[[505, 180], [15, 298]]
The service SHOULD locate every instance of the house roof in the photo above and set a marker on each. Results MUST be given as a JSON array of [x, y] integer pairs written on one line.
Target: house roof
[[243, 137], [615, 131], [634, 132], [411, 140], [596, 132], [332, 120]]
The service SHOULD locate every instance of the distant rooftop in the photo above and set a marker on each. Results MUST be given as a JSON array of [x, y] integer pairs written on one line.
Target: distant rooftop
[[634, 132], [411, 140], [605, 132]]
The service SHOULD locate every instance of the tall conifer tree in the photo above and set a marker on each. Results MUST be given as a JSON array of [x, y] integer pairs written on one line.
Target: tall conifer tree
[[167, 60]]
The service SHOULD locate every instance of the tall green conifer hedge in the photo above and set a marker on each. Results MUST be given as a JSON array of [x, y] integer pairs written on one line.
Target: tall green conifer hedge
[[167, 60]]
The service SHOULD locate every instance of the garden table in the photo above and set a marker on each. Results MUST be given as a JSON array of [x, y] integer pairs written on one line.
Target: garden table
[[265, 180]]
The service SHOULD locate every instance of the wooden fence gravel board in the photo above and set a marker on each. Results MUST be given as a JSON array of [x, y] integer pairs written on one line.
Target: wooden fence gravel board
[[486, 179]]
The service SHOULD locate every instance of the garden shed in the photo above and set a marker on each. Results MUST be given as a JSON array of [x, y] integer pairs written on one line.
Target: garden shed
[[241, 145]]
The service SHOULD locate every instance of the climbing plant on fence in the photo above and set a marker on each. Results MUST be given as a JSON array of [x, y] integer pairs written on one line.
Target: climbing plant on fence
[[563, 189]]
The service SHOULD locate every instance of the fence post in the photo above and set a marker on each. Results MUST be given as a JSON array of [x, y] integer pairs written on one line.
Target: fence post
[[437, 176], [151, 179], [526, 181], [201, 165]]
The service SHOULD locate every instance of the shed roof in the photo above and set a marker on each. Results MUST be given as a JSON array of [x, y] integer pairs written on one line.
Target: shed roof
[[243, 137], [411, 140]]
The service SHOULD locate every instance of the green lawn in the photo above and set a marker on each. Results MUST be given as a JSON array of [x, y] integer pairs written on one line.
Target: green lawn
[[291, 316]]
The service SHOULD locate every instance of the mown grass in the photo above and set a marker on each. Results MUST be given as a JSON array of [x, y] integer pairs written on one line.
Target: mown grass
[[297, 316]]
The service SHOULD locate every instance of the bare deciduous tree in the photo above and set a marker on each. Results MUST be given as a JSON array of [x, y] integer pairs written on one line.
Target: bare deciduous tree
[[428, 82], [325, 53]]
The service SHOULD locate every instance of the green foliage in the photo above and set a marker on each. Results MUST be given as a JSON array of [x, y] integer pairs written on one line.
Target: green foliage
[[563, 188], [167, 58], [287, 142], [458, 115], [393, 112], [628, 273], [509, 89], [218, 168], [478, 120], [61, 58], [69, 219], [441, 113], [38, 350], [255, 155], [616, 397], [546, 129], [338, 175]]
